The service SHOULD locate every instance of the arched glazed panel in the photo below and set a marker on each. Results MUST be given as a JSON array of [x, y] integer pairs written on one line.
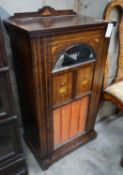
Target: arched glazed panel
[[76, 54]]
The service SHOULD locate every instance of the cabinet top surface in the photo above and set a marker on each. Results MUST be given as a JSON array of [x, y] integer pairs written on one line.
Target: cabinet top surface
[[36, 21]]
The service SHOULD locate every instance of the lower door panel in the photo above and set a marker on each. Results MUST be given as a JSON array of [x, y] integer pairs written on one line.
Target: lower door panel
[[70, 121]]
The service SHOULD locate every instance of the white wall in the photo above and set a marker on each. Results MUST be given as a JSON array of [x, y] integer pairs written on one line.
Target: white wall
[[92, 8], [12, 6]]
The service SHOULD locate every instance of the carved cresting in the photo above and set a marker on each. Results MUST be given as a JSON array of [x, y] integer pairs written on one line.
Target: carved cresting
[[49, 11], [45, 11], [116, 4]]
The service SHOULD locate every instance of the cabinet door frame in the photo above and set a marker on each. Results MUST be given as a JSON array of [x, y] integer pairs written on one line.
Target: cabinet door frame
[[17, 149], [74, 70], [58, 46], [6, 95], [50, 47]]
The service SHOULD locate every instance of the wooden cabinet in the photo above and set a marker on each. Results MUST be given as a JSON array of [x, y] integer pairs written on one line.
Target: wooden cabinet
[[12, 160], [59, 58]]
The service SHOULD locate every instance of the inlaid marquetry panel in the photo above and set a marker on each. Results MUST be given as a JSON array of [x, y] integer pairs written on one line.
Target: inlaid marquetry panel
[[84, 80], [70, 121], [60, 43], [62, 88]]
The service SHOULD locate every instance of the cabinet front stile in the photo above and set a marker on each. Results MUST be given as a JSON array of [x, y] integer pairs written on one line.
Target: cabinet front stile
[[40, 78]]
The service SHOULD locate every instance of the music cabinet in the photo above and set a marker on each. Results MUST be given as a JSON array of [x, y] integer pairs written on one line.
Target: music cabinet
[[59, 58], [12, 159]]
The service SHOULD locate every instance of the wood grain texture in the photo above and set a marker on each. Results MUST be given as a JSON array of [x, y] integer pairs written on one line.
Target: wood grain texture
[[57, 126], [65, 120], [62, 88], [75, 112], [84, 106], [97, 82], [84, 80], [70, 120], [35, 24]]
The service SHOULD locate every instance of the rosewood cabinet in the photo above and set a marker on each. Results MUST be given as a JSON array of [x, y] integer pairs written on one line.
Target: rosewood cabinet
[[12, 160], [59, 57]]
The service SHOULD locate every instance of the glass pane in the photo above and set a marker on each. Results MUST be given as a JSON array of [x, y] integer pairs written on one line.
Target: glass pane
[[6, 145], [74, 55]]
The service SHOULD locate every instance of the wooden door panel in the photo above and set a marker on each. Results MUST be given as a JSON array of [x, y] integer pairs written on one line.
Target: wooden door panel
[[70, 120], [84, 105], [65, 119], [62, 88], [75, 111], [84, 80], [57, 126]]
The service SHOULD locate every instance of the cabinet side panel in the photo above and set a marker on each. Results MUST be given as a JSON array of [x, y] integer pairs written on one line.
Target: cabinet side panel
[[23, 65]]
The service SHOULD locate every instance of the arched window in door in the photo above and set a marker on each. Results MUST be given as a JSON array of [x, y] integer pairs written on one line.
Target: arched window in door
[[73, 55]]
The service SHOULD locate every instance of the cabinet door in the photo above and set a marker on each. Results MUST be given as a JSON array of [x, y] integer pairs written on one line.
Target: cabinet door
[[9, 144], [72, 79]]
